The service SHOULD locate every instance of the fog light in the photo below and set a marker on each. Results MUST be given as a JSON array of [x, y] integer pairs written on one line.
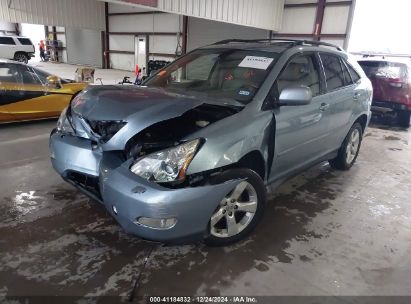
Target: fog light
[[164, 223], [114, 209]]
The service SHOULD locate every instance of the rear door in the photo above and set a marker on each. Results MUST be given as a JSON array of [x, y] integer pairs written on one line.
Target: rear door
[[26, 45], [301, 131], [340, 95]]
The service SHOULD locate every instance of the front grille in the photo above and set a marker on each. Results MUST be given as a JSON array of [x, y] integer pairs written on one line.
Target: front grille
[[87, 182], [106, 129]]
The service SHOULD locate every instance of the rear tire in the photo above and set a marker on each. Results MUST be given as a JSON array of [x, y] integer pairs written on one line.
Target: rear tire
[[21, 57], [240, 211], [404, 118], [348, 152]]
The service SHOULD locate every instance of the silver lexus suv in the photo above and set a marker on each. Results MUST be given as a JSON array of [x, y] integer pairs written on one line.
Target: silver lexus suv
[[186, 156]]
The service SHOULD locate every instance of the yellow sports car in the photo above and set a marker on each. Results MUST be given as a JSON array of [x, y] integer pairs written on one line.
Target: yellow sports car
[[27, 93]]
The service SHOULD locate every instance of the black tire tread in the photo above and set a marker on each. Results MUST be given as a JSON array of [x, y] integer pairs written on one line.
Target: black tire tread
[[404, 118], [340, 163]]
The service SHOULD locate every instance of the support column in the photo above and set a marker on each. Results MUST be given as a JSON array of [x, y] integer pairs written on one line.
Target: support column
[[319, 19], [184, 37], [106, 50]]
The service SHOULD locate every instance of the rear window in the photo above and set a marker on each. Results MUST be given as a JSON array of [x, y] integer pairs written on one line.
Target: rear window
[[6, 40], [383, 69], [24, 41]]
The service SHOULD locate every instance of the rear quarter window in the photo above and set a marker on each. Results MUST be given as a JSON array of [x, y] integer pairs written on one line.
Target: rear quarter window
[[354, 74], [24, 41]]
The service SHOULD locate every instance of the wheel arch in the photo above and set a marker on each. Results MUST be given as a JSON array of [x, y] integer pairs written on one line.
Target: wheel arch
[[20, 52], [253, 160], [363, 121]]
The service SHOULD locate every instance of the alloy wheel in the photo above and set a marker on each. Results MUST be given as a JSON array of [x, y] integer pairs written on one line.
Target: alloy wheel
[[21, 58], [235, 211], [352, 146]]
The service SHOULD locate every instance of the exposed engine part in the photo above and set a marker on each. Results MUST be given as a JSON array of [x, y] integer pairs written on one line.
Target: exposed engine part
[[106, 129], [169, 132], [202, 123]]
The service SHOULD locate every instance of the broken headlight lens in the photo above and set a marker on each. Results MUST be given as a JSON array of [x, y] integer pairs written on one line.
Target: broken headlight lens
[[63, 124], [166, 165]]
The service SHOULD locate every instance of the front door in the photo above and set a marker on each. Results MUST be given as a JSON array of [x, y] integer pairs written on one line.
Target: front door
[[301, 131]]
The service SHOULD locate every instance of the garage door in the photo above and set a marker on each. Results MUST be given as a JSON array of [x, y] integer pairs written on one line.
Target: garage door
[[84, 47]]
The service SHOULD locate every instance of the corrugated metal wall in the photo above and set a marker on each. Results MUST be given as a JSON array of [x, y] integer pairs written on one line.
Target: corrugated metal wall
[[217, 31], [126, 23], [88, 14], [299, 20], [264, 14]]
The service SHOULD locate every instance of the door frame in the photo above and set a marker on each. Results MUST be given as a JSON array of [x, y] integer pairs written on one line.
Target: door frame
[[136, 49]]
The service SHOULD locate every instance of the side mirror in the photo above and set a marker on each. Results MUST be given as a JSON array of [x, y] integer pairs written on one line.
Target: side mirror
[[295, 96], [53, 82]]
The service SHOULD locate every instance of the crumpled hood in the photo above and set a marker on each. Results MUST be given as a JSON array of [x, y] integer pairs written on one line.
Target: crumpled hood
[[140, 107], [116, 102]]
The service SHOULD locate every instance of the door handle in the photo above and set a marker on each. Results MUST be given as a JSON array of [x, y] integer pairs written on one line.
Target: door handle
[[356, 96], [324, 107]]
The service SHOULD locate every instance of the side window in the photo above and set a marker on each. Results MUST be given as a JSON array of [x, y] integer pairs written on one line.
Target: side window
[[24, 41], [8, 74], [27, 76], [7, 40], [300, 70], [347, 77], [354, 75], [334, 74]]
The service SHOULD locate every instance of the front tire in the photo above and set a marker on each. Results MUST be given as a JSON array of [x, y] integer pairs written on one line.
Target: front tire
[[239, 211], [348, 152], [404, 118], [21, 57]]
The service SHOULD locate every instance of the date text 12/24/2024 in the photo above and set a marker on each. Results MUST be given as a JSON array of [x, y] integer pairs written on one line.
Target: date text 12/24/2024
[[203, 299]]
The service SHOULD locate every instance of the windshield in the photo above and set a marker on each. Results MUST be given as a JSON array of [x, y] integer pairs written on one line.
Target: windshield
[[217, 73], [42, 75]]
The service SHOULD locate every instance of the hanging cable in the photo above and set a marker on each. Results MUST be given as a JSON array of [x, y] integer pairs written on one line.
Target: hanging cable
[[143, 267]]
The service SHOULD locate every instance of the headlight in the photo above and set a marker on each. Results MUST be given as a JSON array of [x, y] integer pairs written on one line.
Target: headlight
[[63, 124], [167, 165]]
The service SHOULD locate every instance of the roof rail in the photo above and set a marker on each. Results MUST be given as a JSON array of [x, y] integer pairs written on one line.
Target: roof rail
[[294, 42]]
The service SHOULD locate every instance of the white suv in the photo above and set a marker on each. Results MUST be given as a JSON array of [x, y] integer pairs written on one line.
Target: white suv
[[16, 48]]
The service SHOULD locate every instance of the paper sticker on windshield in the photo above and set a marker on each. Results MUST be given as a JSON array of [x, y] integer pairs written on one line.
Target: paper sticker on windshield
[[256, 62]]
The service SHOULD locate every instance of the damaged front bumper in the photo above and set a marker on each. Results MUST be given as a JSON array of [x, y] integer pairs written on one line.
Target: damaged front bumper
[[106, 177]]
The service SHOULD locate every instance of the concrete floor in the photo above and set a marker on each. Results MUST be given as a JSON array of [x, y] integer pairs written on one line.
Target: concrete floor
[[324, 233], [63, 70]]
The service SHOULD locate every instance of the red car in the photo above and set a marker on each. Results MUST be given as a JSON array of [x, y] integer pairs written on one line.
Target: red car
[[391, 82]]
